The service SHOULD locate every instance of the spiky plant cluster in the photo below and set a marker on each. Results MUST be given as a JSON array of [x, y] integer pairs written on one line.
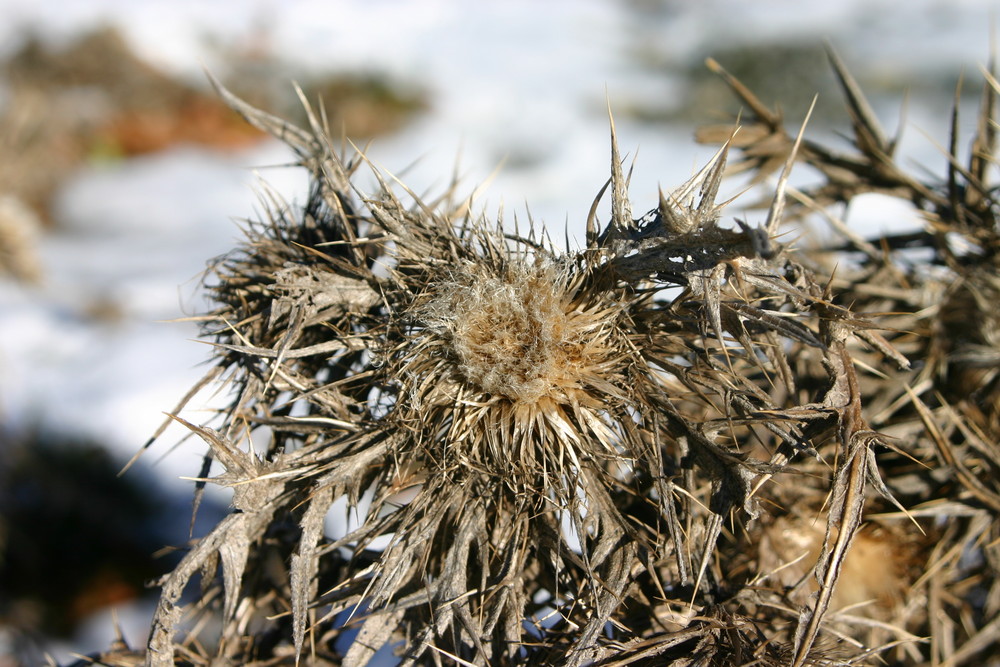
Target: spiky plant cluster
[[936, 290], [662, 448]]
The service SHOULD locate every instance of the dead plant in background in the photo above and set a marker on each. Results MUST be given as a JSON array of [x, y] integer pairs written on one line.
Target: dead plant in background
[[685, 443]]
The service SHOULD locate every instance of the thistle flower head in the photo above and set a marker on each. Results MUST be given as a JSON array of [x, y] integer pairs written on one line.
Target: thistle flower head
[[519, 370], [513, 333], [526, 399]]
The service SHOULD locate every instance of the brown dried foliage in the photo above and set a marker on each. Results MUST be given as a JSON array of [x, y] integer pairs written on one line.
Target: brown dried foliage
[[683, 444]]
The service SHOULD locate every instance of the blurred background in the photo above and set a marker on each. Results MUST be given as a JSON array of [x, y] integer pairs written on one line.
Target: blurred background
[[122, 175]]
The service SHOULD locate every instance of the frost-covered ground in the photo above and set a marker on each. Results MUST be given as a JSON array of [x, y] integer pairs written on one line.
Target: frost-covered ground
[[524, 81]]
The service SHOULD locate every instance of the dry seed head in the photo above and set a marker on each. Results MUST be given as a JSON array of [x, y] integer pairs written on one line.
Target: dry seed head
[[516, 335], [517, 369]]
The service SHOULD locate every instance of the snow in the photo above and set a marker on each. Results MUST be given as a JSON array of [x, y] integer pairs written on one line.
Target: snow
[[528, 82]]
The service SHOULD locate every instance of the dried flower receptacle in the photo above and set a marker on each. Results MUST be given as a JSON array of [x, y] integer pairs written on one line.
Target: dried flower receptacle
[[521, 370]]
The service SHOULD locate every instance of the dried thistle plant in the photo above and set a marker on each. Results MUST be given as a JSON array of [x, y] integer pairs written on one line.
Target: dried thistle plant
[[558, 456]]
